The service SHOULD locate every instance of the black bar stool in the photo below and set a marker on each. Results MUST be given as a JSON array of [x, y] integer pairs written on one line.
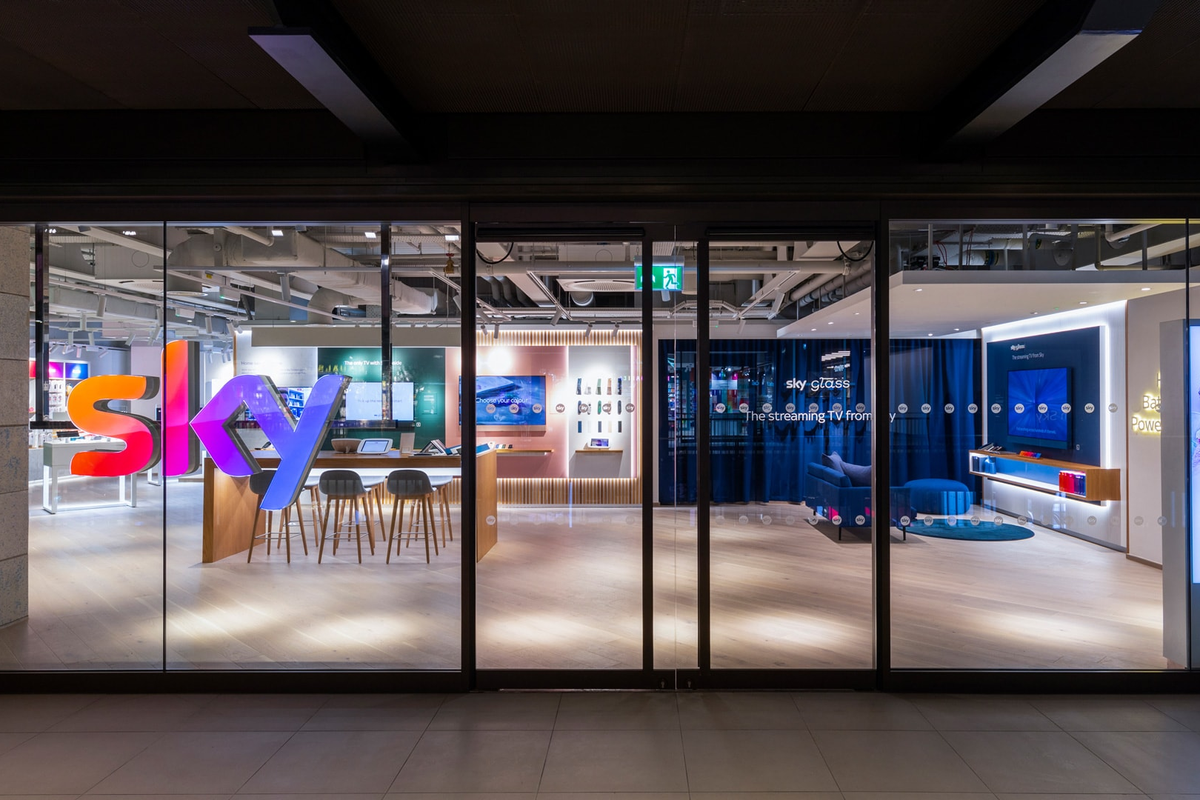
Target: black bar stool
[[259, 482], [339, 487], [405, 485]]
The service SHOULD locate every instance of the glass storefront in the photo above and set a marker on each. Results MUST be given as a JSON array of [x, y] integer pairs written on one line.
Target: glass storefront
[[250, 448]]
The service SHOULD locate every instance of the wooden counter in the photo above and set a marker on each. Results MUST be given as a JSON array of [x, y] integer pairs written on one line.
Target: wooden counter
[[229, 504]]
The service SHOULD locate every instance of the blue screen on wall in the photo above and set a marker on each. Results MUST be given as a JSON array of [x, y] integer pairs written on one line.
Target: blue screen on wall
[[513, 400], [1035, 401]]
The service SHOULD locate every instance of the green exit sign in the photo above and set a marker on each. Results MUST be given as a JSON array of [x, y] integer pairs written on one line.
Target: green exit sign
[[663, 277]]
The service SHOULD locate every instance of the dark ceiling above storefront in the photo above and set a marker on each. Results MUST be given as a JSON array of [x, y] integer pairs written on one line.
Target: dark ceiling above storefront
[[509, 98]]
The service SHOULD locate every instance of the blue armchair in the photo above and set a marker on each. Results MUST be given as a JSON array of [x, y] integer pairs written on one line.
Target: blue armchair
[[829, 493]]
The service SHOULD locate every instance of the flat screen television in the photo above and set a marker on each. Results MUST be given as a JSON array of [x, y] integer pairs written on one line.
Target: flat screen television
[[1035, 407], [364, 401], [509, 400]]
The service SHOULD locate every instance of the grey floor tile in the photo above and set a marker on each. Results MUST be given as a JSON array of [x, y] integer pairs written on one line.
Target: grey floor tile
[[505, 711], [54, 797], [62, 763], [465, 796], [615, 761], [145, 712], [475, 761], [738, 711], [755, 761], [415, 700], [253, 718], [1184, 710], [334, 761], [1174, 796], [10, 740], [274, 701], [379, 718], [768, 796], [900, 761], [617, 711], [918, 796], [982, 713], [1156, 762], [335, 796], [194, 762], [620, 796], [153, 797], [1093, 713], [1035, 761], [1138, 796], [36, 712], [863, 711]]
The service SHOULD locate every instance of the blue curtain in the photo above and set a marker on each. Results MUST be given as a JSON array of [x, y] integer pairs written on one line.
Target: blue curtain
[[762, 460]]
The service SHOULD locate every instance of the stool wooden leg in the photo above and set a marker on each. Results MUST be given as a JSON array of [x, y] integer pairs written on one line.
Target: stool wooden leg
[[253, 534], [286, 517], [300, 519], [445, 501], [369, 517], [357, 526], [392, 533]]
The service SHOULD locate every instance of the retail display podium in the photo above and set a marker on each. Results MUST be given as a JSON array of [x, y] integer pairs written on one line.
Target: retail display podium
[[229, 504]]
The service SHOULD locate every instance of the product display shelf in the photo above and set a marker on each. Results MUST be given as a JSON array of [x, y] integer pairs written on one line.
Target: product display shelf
[[522, 452], [1066, 478]]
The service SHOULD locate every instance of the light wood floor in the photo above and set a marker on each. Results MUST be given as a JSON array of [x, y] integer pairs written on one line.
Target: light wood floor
[[562, 590]]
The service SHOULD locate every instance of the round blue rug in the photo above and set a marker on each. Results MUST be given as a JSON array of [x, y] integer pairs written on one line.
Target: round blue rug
[[963, 529]]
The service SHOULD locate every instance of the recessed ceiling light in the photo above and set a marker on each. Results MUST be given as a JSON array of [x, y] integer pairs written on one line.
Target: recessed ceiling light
[[369, 234], [829, 323], [958, 329], [276, 232], [918, 290], [52, 230], [1145, 288], [929, 334], [814, 330], [1083, 302], [129, 233], [857, 313], [451, 237]]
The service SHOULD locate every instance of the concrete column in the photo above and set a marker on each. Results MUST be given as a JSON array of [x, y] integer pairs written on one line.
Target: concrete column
[[14, 424]]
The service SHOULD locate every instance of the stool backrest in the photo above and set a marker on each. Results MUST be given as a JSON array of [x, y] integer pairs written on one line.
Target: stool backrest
[[342, 483], [406, 483], [260, 481]]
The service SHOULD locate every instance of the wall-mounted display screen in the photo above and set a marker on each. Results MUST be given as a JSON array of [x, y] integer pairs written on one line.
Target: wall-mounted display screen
[[1035, 406], [76, 370], [509, 400], [364, 401]]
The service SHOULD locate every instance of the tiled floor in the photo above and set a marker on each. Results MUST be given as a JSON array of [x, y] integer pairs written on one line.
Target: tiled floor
[[585, 746]]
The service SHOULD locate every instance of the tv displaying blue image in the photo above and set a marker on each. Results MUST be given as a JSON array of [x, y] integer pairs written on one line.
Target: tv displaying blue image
[[509, 400], [1035, 407]]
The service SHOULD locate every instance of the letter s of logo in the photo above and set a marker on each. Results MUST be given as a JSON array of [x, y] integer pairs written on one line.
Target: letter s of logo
[[88, 409]]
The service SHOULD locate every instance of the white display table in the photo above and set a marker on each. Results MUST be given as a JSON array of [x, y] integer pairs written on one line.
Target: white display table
[[56, 459]]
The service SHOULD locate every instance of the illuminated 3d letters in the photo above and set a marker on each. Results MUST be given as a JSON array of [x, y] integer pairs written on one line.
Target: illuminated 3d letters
[[297, 441], [181, 394], [88, 409]]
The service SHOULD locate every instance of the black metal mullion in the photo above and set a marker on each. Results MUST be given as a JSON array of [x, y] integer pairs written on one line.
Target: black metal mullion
[[385, 323], [41, 318], [703, 471], [467, 401], [645, 408], [1188, 481], [880, 454]]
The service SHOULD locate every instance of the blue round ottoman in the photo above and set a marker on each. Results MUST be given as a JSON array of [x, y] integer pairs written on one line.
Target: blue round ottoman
[[938, 496]]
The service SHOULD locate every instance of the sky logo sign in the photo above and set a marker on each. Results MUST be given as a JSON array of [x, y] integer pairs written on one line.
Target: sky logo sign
[[296, 440]]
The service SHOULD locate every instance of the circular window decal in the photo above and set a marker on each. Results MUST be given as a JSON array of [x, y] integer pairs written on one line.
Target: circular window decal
[[1112, 407], [1066, 408], [861, 407], [836, 520], [1138, 520], [560, 408], [905, 522], [813, 407], [789, 519], [1019, 408], [490, 408], [1022, 520], [975, 520], [998, 521], [1089, 407], [720, 409], [490, 520], [515, 408], [926, 408], [902, 408], [629, 407], [537, 408], [1043, 408], [766, 520], [743, 519], [836, 406], [860, 520], [995, 408], [972, 408], [1162, 520], [1091, 520], [948, 408], [790, 407], [928, 520], [766, 408], [743, 407]]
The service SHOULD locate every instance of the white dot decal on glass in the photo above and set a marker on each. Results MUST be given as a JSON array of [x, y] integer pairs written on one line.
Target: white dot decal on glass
[[902, 408], [1022, 520], [1043, 408], [1138, 520], [905, 522], [537, 408], [743, 519], [630, 519], [767, 408], [836, 520], [743, 407], [812, 520], [975, 520], [490, 520], [952, 521], [1112, 407], [720, 408], [948, 408], [813, 407], [1069, 520], [790, 408], [836, 406], [1019, 408], [1162, 520], [1066, 408], [560, 408], [926, 408], [995, 408], [490, 408], [972, 408], [515, 408], [790, 519], [629, 407], [766, 520], [928, 520], [1089, 407], [860, 520], [998, 521], [861, 407], [1091, 520]]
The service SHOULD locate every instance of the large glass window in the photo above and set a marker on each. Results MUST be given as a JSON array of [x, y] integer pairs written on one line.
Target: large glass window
[[1030, 450], [95, 497]]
